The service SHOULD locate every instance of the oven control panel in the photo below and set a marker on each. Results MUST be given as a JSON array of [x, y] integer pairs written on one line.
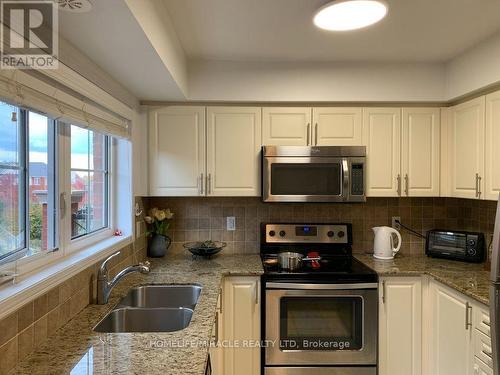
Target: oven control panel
[[304, 233]]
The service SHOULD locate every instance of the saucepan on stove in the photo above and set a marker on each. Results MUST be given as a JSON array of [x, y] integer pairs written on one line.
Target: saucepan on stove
[[291, 261]]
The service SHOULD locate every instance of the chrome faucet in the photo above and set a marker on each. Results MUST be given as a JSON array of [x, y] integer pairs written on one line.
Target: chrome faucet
[[104, 286]]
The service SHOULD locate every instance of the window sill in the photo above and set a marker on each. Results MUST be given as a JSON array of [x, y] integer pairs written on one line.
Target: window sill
[[39, 282]]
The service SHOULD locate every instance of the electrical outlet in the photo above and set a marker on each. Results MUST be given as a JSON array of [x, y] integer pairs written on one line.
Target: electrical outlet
[[231, 223], [394, 224]]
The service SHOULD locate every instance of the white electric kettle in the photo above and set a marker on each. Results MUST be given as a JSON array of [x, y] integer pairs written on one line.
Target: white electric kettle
[[383, 245]]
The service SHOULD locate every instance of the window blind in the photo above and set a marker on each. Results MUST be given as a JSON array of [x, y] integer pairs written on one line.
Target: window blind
[[28, 91]]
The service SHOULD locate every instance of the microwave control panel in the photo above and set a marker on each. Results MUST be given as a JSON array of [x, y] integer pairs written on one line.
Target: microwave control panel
[[357, 179]]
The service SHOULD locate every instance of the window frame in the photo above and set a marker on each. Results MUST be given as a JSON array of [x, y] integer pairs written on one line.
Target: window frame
[[23, 188], [62, 190], [72, 245], [26, 264]]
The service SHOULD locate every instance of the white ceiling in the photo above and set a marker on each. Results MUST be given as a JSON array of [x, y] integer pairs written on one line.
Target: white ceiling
[[282, 30], [111, 37]]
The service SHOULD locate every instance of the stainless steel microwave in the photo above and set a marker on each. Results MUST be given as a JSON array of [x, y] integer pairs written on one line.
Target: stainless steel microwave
[[313, 174]]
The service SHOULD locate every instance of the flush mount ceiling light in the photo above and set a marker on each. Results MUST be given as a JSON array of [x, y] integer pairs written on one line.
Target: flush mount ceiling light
[[343, 15]]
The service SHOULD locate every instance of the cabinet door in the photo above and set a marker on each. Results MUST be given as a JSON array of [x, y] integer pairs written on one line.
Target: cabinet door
[[176, 150], [241, 309], [400, 329], [337, 126], [466, 148], [450, 351], [382, 138], [286, 126], [492, 159], [420, 152], [233, 148]]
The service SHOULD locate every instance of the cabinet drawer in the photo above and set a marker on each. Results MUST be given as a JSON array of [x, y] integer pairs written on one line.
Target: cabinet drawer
[[482, 347], [482, 321], [480, 368]]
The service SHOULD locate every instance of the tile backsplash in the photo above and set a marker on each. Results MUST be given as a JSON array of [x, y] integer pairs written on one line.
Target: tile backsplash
[[201, 218]]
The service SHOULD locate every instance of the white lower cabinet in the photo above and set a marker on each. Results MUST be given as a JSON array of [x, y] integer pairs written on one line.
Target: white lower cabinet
[[400, 326], [450, 331], [238, 319], [430, 329]]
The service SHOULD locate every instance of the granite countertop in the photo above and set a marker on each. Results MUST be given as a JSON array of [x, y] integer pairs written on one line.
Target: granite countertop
[[76, 349], [468, 278]]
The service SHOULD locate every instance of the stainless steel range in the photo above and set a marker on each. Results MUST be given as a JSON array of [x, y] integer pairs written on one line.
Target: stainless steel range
[[322, 317]]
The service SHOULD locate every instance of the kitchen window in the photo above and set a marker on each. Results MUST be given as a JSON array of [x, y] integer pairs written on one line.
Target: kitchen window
[[55, 184], [89, 181], [27, 183]]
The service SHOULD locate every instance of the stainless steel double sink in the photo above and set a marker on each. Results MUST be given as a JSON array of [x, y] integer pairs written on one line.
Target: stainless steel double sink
[[152, 308]]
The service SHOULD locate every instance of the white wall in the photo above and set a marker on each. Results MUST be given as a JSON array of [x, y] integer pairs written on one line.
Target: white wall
[[345, 82], [476, 68], [154, 19]]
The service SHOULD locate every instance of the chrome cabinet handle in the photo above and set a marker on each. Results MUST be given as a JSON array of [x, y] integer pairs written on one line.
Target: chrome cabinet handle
[[383, 291], [209, 183], [468, 323], [256, 293], [399, 185], [406, 184], [479, 178], [316, 134], [308, 134], [477, 185], [201, 184]]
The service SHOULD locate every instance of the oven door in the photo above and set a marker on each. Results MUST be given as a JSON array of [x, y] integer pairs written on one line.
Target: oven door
[[305, 179], [321, 324]]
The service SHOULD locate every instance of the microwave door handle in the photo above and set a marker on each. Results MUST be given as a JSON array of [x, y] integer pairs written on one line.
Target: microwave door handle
[[345, 178]]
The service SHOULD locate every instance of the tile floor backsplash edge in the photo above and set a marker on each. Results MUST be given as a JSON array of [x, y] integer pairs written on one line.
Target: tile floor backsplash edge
[[31, 324]]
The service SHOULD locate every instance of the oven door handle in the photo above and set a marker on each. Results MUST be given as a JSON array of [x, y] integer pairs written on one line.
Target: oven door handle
[[321, 286]]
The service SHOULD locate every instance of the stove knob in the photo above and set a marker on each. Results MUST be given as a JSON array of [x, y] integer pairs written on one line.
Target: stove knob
[[330, 233], [341, 234], [272, 233], [282, 233], [472, 242]]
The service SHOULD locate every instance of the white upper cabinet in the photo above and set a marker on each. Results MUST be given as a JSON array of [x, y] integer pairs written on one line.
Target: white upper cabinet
[[382, 138], [233, 149], [466, 149], [337, 126], [286, 126], [492, 149], [420, 152], [176, 150]]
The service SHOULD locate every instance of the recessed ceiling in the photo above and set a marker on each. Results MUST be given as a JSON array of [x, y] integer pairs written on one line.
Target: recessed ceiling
[[110, 36], [282, 30]]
